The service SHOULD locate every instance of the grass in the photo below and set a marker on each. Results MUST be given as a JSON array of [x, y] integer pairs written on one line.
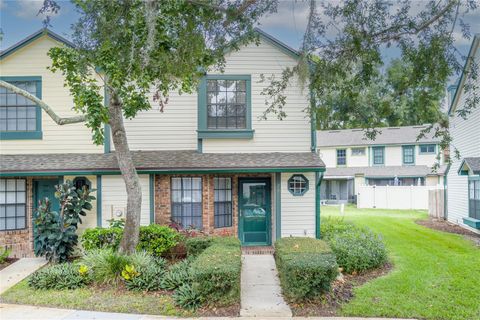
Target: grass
[[108, 300], [436, 275]]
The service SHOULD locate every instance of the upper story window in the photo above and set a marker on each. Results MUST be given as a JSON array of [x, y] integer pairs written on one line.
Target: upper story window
[[20, 118], [341, 157], [408, 154], [298, 185], [13, 200], [358, 151], [224, 107], [378, 155], [427, 148]]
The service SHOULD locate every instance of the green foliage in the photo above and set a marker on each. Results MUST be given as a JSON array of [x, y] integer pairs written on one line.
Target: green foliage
[[101, 238], [186, 296], [4, 254], [306, 267], [129, 272], [177, 274], [60, 277], [216, 271], [157, 240], [149, 277], [113, 223], [332, 226], [55, 232], [196, 245], [359, 250], [107, 265], [154, 239]]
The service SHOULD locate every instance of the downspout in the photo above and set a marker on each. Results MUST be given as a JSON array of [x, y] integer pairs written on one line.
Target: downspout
[[318, 182]]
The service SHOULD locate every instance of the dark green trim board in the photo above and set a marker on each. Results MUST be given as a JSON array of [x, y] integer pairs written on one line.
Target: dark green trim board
[[278, 205], [26, 135], [472, 222], [99, 200], [318, 183], [152, 197], [163, 171], [203, 131]]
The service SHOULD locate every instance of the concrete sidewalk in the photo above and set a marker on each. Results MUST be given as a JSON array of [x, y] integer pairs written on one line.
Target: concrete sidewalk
[[18, 271], [22, 312], [261, 295]]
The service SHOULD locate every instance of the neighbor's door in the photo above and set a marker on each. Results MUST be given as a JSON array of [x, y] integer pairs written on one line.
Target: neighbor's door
[[254, 208]]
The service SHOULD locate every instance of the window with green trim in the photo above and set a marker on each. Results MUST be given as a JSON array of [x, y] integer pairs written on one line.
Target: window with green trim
[[378, 155], [474, 198], [224, 107], [298, 185], [408, 154], [427, 148], [20, 118]]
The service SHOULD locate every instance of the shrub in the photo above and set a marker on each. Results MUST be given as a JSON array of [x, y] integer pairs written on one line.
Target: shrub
[[157, 240], [187, 297], [149, 277], [101, 238], [4, 255], [358, 250], [107, 265], [306, 267], [154, 239], [55, 232], [332, 226], [197, 245], [60, 276], [216, 271], [177, 275]]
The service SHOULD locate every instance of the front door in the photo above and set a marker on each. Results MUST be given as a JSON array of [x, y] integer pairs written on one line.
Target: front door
[[45, 189], [254, 206]]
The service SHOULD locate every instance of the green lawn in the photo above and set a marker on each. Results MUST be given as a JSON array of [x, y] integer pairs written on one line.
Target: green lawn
[[108, 300], [436, 275]]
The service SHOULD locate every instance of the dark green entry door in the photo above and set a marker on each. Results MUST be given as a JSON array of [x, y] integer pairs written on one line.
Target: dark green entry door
[[254, 208], [45, 189]]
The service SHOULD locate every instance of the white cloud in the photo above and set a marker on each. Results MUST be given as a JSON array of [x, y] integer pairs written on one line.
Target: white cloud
[[290, 15]]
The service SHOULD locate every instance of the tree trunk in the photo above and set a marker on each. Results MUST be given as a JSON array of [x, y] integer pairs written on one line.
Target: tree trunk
[[129, 174]]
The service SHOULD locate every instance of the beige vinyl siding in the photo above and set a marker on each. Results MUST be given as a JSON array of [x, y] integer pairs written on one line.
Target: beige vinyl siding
[[426, 159], [357, 161], [32, 60], [114, 198], [90, 220], [466, 139], [329, 157], [298, 212]]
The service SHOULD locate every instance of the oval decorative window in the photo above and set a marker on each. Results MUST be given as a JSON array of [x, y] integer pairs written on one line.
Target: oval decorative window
[[298, 185], [80, 182]]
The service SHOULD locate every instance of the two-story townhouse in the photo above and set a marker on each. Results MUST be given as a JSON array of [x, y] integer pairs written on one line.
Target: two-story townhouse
[[395, 157], [207, 161], [463, 178]]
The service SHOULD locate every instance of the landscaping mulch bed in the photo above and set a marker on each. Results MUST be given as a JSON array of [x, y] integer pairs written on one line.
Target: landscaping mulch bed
[[7, 262], [446, 226], [342, 292], [229, 311]]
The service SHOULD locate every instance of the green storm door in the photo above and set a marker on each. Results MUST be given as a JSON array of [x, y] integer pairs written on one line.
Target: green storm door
[[254, 208]]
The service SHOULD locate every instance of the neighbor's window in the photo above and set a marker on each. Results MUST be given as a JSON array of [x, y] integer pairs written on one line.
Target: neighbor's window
[[223, 202], [474, 198], [408, 154], [427, 148], [298, 185], [20, 117], [341, 157], [226, 104], [187, 201], [358, 151], [378, 155], [13, 199]]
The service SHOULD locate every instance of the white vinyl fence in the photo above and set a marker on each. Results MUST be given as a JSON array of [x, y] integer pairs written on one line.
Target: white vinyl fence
[[394, 197]]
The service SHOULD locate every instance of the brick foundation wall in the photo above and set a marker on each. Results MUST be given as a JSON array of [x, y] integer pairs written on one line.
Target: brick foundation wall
[[163, 201], [21, 241]]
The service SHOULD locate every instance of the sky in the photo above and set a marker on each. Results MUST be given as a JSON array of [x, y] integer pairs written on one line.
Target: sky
[[19, 19]]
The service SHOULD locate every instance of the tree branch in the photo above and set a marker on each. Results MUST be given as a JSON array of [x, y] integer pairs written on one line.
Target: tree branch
[[58, 120]]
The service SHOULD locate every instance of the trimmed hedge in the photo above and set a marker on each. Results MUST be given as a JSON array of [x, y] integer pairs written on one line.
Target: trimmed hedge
[[306, 266], [155, 239], [216, 271]]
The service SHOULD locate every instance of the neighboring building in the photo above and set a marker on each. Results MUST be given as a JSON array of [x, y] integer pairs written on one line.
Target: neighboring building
[[207, 161], [463, 179], [395, 157]]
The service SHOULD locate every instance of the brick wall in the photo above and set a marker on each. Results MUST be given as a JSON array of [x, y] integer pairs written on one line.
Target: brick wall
[[163, 198], [21, 241]]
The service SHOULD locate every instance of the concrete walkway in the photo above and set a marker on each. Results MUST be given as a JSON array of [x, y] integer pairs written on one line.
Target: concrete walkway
[[18, 271], [14, 312], [261, 295]]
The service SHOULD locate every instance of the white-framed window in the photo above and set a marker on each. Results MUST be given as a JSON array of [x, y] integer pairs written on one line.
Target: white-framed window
[[341, 157], [13, 204], [358, 151], [223, 208], [186, 199]]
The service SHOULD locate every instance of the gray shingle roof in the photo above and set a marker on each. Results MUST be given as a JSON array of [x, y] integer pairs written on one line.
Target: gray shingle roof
[[473, 163], [159, 161], [389, 135], [388, 171]]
